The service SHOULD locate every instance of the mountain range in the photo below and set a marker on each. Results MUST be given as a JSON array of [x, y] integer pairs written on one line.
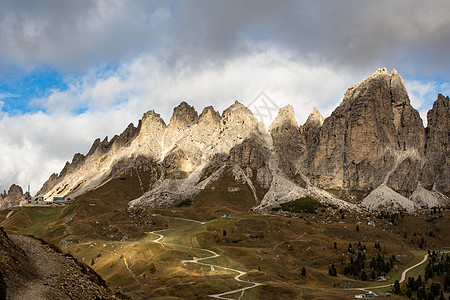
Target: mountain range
[[373, 152]]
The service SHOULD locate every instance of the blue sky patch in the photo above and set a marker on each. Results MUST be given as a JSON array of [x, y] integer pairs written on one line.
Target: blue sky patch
[[17, 90]]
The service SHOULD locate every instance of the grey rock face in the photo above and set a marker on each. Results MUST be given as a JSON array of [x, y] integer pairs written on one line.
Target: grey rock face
[[253, 157], [311, 131], [405, 177], [359, 143], [289, 144], [12, 197], [436, 171], [183, 115]]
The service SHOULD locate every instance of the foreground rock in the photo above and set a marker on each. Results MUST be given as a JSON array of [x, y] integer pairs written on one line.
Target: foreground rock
[[32, 269]]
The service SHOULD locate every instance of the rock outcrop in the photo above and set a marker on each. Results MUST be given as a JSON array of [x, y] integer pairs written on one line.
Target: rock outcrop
[[436, 171], [289, 144], [372, 152], [12, 197], [33, 269], [360, 143]]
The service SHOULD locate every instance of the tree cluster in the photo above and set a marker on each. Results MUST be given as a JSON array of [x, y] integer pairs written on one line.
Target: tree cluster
[[435, 282], [379, 266]]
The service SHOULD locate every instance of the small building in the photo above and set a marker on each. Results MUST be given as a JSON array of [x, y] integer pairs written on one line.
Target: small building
[[365, 295], [62, 200]]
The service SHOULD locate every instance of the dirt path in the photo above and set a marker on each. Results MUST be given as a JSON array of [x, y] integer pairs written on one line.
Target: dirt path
[[410, 268], [198, 260]]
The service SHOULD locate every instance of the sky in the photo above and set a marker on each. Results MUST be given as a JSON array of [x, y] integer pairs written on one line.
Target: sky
[[72, 71]]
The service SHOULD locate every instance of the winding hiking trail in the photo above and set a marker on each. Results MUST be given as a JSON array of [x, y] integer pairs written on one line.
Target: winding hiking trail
[[402, 278], [198, 260]]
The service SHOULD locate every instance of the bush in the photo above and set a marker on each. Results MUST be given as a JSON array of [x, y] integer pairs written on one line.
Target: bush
[[152, 268], [304, 204], [184, 203]]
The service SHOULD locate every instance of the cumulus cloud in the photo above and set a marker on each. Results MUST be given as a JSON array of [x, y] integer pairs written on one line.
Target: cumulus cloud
[[78, 35], [423, 93], [358, 35]]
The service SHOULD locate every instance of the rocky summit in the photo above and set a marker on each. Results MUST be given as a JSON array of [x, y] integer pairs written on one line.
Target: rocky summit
[[372, 152], [12, 197]]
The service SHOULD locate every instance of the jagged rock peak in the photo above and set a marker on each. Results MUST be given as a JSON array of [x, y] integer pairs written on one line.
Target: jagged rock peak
[[127, 134], [314, 119], [443, 98], [379, 77], [151, 117], [77, 160], [209, 114], [12, 197], [285, 118], [150, 121], [94, 146], [236, 108], [15, 189], [438, 116], [183, 115], [399, 93], [436, 171], [380, 72]]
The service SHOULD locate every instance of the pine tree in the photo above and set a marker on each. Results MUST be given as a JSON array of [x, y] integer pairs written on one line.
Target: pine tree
[[409, 293], [396, 287], [363, 276]]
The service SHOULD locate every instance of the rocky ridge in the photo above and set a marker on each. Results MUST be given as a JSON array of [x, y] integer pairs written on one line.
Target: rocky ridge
[[12, 197], [372, 152]]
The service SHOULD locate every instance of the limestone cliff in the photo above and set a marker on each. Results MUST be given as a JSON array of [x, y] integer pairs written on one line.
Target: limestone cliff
[[436, 171], [12, 197], [360, 144], [372, 152]]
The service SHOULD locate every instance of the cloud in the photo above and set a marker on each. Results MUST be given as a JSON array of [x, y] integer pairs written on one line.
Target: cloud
[[423, 93], [8, 95], [78, 35], [410, 35]]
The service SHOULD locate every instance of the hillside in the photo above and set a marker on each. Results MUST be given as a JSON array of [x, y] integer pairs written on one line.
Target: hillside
[[33, 269], [145, 251]]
